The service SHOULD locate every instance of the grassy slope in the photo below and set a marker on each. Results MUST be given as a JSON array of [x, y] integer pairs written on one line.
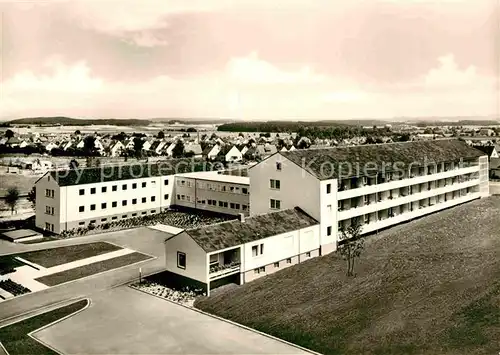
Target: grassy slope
[[63, 255], [15, 337], [431, 286], [91, 269]]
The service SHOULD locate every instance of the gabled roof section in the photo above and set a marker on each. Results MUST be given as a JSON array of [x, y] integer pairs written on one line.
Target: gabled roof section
[[233, 233], [330, 163], [127, 172]]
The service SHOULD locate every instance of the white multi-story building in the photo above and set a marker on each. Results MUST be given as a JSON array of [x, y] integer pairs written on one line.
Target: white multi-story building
[[377, 185], [76, 198]]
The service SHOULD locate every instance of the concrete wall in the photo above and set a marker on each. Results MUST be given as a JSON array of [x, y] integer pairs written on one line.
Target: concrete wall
[[297, 187], [280, 247], [58, 202], [196, 258], [494, 188]]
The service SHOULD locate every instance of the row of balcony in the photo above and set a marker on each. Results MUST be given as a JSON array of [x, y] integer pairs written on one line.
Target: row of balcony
[[410, 212], [404, 199], [366, 185]]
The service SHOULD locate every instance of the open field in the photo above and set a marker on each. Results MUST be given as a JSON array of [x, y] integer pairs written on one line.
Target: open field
[[23, 182], [91, 269], [15, 337], [63, 255], [431, 286]]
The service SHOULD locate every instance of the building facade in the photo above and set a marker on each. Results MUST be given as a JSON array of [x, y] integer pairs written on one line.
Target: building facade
[[243, 250], [375, 185], [71, 199]]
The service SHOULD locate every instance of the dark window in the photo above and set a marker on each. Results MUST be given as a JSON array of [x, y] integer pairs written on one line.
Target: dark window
[[153, 211], [92, 190], [114, 187], [92, 207], [81, 209], [114, 218], [166, 182], [328, 188], [143, 184], [114, 203], [166, 196], [144, 200], [92, 221], [153, 198], [134, 185], [124, 186], [144, 212], [134, 201], [82, 192], [181, 260], [104, 219], [278, 166], [134, 214], [124, 202], [231, 205], [104, 189], [329, 230], [244, 190], [124, 216]]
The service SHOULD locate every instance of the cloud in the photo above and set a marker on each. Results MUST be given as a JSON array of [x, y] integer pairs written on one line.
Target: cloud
[[252, 70], [448, 74]]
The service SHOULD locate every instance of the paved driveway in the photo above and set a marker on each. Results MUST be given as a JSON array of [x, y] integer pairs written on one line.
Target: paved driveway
[[142, 239], [126, 321]]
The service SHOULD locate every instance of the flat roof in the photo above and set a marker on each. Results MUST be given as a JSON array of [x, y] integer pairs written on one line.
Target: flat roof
[[20, 233], [215, 176]]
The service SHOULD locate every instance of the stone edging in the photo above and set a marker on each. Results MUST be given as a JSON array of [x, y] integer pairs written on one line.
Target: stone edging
[[232, 323]]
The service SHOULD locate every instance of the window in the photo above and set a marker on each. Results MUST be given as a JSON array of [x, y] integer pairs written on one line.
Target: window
[[81, 209], [236, 206], [165, 182], [183, 197], [144, 212], [275, 184], [165, 196], [134, 185], [124, 216], [114, 218], [258, 250], [81, 223], [181, 260], [124, 202], [82, 192], [244, 191], [153, 211], [104, 189], [289, 261], [134, 201], [308, 254], [278, 166], [114, 204], [114, 188], [134, 214], [144, 184], [245, 207], [92, 221], [231, 188], [124, 186], [231, 205], [259, 270], [329, 208], [367, 218], [277, 264], [221, 204], [329, 230], [366, 200], [275, 204], [153, 183], [92, 207], [153, 198], [255, 271], [104, 219], [92, 190], [143, 200], [328, 188]]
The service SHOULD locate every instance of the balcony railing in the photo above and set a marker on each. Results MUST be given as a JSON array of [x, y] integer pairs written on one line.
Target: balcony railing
[[226, 269]]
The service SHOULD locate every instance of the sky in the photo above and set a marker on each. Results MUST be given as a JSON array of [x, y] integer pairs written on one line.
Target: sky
[[250, 59]]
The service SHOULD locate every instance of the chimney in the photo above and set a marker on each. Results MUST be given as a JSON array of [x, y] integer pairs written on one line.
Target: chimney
[[242, 217]]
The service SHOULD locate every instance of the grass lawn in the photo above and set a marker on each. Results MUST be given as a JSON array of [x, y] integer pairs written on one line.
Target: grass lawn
[[24, 183], [431, 286], [15, 337], [63, 255], [91, 269]]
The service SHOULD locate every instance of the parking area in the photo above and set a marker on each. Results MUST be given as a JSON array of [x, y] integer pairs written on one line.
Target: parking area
[[126, 321]]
